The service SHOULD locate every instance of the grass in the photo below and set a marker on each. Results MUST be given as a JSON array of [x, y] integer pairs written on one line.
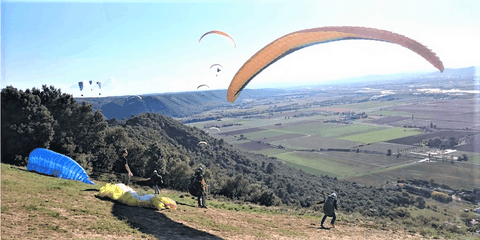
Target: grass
[[260, 135], [457, 176], [381, 135], [345, 130], [317, 164], [315, 142], [52, 206], [371, 105], [65, 209]]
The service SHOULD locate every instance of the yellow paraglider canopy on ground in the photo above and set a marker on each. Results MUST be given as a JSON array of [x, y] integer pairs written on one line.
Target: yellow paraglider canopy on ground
[[128, 196]]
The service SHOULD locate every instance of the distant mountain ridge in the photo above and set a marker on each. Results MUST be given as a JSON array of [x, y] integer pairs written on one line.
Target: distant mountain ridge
[[184, 104], [180, 104]]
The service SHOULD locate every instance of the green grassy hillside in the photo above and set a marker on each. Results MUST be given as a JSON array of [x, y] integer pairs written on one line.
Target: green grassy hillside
[[36, 206]]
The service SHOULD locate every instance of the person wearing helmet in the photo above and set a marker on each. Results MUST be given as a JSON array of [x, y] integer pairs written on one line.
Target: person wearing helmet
[[329, 207], [199, 184], [156, 179]]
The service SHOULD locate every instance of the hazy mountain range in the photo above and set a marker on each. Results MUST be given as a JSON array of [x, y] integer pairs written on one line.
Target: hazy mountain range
[[184, 104]]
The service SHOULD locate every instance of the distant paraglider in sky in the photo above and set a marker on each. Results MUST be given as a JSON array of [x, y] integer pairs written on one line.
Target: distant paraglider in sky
[[202, 85], [99, 87], [80, 85], [228, 37], [218, 68], [202, 142], [292, 42]]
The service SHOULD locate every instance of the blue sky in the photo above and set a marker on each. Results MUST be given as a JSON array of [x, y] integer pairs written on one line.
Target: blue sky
[[152, 47]]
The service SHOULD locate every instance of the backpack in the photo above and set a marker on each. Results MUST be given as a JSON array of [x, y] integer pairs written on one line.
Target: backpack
[[195, 185], [328, 206]]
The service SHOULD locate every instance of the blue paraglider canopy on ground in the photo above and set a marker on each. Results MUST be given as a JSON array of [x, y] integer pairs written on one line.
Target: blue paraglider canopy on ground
[[52, 163]]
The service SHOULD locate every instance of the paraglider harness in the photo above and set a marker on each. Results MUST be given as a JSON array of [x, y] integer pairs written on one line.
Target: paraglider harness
[[197, 184]]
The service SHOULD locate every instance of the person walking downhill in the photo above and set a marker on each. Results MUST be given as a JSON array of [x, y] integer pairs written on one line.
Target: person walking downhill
[[156, 179], [123, 169], [329, 207]]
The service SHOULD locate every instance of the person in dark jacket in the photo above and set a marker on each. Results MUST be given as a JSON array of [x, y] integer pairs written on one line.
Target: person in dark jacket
[[123, 169], [329, 207], [156, 179], [200, 185]]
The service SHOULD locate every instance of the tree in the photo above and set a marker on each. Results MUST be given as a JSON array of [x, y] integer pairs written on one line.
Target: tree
[[26, 125], [431, 124], [431, 181], [270, 168], [420, 202], [452, 141]]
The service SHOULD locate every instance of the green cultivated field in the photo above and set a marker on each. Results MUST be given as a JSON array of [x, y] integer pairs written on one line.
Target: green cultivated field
[[301, 127], [382, 135], [343, 165], [271, 152], [458, 175], [315, 142], [317, 164], [364, 168], [345, 130]]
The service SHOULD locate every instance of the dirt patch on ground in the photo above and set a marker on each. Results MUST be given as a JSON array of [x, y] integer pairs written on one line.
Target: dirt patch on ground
[[158, 223], [265, 226]]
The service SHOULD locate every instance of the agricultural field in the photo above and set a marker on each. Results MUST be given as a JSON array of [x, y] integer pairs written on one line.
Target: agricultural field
[[458, 175], [345, 130], [381, 135], [253, 146], [272, 151], [384, 146], [320, 164], [457, 114], [388, 119], [368, 106], [411, 140], [382, 130], [303, 126], [315, 142], [260, 135], [340, 164], [241, 131], [472, 146]]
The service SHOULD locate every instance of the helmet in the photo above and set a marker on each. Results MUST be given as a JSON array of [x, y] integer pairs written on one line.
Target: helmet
[[199, 169], [155, 171], [333, 195]]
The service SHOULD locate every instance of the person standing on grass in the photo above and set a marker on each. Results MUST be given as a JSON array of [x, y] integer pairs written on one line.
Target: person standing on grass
[[199, 185], [123, 169], [329, 207], [156, 179]]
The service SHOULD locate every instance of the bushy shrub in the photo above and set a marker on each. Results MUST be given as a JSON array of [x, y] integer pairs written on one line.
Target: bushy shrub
[[441, 197]]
